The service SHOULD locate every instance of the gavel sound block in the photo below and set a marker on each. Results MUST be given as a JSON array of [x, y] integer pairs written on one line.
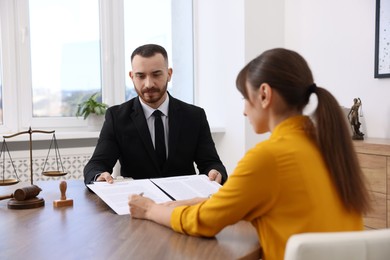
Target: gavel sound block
[[25, 198], [63, 202]]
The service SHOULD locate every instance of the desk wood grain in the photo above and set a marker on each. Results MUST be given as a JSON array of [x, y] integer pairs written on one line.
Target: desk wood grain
[[374, 158], [91, 230]]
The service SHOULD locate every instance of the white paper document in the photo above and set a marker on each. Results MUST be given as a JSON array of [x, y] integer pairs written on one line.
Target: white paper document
[[116, 194], [188, 186], [179, 188]]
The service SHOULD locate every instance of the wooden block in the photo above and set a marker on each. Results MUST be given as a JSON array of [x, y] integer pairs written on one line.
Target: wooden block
[[63, 203]]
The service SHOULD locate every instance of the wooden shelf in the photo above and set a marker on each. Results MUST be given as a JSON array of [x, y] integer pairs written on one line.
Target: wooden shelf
[[374, 158]]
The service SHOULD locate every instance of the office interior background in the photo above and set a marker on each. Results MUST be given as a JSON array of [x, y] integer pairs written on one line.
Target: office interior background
[[337, 38]]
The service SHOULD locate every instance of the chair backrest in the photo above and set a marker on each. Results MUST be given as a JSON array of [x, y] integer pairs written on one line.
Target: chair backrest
[[355, 245]]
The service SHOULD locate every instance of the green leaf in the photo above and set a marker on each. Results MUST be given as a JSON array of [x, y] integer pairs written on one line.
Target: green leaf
[[91, 106]]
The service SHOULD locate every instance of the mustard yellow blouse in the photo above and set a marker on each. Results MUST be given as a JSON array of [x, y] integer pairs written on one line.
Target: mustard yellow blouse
[[281, 186]]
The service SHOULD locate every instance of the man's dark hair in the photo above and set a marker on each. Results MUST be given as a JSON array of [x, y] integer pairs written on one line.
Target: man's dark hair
[[149, 50]]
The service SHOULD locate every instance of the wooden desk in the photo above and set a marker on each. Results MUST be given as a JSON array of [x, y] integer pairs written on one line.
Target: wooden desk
[[91, 230]]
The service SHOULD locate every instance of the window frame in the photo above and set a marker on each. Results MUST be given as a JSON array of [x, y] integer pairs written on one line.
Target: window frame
[[16, 61]]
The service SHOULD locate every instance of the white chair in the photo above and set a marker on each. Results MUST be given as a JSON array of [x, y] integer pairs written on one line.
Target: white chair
[[355, 245]]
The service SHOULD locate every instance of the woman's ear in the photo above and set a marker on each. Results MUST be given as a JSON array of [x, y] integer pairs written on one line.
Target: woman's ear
[[265, 95]]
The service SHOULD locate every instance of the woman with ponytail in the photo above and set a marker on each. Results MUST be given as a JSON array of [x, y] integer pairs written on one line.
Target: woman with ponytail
[[304, 178]]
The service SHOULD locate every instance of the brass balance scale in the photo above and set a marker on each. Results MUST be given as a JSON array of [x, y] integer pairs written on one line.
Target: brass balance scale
[[31, 191]]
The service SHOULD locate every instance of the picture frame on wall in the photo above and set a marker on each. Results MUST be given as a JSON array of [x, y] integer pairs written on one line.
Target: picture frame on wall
[[382, 39]]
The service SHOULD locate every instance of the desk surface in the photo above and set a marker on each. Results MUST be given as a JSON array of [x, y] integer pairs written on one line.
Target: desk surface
[[91, 230]]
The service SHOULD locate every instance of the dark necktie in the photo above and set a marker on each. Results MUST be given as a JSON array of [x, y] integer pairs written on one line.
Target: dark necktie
[[159, 140]]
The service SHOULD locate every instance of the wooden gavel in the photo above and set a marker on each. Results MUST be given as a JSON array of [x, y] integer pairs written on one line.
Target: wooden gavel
[[23, 193]]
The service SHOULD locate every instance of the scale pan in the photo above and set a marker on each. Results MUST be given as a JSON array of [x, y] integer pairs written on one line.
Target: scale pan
[[54, 173], [7, 182]]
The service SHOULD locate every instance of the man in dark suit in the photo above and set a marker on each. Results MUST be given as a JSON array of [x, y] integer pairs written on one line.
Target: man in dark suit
[[128, 133]]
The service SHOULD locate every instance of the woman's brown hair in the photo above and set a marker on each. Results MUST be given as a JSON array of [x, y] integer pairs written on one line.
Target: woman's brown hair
[[288, 73]]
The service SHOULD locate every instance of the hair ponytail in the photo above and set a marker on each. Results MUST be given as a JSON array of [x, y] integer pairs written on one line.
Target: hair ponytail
[[335, 143]]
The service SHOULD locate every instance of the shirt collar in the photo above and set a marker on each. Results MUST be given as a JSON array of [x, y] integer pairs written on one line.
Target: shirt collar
[[148, 111]]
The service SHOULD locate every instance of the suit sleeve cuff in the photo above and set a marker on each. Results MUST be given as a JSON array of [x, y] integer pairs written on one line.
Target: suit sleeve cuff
[[95, 178]]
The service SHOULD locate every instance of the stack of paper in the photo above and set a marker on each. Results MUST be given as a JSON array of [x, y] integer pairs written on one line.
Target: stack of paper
[[158, 189]]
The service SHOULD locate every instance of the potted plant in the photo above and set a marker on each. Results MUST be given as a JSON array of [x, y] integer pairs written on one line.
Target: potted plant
[[93, 111]]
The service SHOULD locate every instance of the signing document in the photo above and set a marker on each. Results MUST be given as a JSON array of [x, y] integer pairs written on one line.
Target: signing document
[[160, 190]]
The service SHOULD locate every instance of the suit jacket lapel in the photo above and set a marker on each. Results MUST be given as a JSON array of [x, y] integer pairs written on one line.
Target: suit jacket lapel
[[139, 120], [174, 121]]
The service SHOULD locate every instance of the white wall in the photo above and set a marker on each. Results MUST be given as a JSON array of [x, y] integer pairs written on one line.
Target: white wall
[[338, 40], [219, 45], [229, 33], [260, 36], [336, 37]]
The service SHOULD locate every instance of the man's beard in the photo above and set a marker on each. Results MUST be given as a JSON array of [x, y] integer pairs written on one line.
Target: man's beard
[[158, 94]]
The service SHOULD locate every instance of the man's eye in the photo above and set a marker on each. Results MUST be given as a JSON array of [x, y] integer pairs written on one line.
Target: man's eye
[[140, 76]]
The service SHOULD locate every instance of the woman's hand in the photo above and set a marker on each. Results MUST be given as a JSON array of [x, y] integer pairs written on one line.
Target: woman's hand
[[145, 208], [139, 206]]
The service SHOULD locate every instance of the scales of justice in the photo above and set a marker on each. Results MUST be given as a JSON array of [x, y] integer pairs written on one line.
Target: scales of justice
[[26, 198]]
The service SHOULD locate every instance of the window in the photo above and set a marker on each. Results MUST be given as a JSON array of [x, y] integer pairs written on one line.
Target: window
[[168, 23], [65, 55], [141, 29], [1, 82], [1, 85], [8, 77], [59, 52]]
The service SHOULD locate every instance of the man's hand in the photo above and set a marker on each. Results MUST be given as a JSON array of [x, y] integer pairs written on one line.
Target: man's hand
[[105, 176], [214, 175]]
